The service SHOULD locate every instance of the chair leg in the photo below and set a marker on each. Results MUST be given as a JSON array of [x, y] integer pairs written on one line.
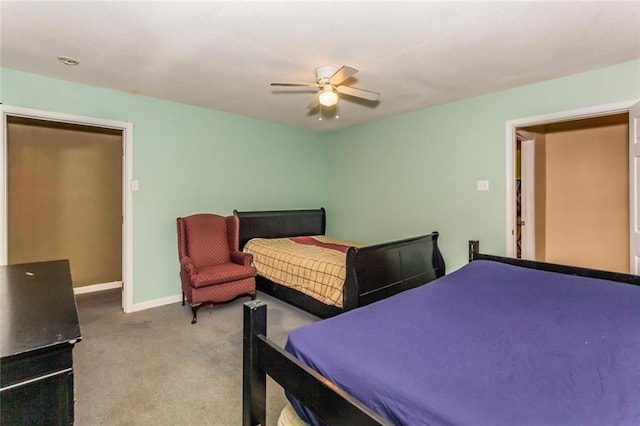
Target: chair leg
[[194, 309], [183, 298]]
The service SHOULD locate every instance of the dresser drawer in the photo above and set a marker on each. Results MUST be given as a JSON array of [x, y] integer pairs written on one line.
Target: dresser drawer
[[44, 401], [31, 365]]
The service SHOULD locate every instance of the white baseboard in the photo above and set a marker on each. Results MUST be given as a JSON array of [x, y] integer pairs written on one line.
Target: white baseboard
[[97, 287], [136, 306], [157, 302]]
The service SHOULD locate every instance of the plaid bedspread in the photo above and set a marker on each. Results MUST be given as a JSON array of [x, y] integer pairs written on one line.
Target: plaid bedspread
[[318, 271]]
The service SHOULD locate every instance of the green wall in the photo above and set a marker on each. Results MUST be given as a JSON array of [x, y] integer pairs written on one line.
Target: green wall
[[187, 160], [417, 172], [389, 179]]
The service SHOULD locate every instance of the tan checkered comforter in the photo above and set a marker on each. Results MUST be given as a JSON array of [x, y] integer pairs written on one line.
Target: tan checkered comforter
[[315, 271]]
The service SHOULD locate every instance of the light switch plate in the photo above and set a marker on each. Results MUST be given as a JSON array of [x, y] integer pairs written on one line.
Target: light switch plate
[[483, 185]]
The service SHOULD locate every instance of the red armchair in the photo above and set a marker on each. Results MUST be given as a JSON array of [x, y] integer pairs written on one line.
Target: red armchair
[[212, 270]]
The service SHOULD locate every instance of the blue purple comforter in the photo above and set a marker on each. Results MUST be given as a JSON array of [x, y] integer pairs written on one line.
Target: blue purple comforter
[[489, 344]]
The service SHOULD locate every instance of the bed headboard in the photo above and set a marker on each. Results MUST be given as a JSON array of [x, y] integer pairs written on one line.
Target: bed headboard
[[280, 224]]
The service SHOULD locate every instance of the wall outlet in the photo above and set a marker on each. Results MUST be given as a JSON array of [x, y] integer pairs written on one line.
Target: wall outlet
[[483, 185], [135, 185]]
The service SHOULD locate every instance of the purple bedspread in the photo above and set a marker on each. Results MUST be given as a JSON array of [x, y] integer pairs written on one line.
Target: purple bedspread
[[489, 344]]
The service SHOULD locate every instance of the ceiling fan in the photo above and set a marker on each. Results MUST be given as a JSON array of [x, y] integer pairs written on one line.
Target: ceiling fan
[[329, 81]]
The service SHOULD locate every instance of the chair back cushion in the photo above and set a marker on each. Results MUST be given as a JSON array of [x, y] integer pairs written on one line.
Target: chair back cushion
[[206, 240]]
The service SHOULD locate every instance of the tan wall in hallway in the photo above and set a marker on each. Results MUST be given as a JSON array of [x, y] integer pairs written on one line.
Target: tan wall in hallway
[[65, 198], [587, 220]]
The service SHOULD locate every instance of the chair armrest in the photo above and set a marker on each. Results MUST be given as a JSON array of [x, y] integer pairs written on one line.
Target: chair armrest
[[241, 258], [187, 264]]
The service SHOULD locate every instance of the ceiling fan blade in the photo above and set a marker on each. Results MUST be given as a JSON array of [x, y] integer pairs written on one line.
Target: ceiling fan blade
[[343, 73], [315, 102], [358, 93], [296, 84]]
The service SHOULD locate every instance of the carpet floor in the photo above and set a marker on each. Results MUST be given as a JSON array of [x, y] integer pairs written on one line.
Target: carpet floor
[[153, 367]]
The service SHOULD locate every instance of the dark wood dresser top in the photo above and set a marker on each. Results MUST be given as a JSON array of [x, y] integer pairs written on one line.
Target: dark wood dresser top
[[37, 307]]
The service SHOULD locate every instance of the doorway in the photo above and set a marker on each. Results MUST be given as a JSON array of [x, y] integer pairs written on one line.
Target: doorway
[[64, 198], [580, 172], [75, 152], [593, 182]]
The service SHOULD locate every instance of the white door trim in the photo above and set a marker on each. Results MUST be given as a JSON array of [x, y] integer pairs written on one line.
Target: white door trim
[[127, 175], [634, 189], [510, 151]]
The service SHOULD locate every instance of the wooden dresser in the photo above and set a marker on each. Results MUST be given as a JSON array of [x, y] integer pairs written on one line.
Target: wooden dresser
[[38, 329]]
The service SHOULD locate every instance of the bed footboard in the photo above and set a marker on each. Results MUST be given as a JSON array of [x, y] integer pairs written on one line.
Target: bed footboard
[[382, 270], [474, 254], [261, 357]]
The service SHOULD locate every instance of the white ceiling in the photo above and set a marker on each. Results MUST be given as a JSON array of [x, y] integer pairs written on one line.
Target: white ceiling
[[223, 55]]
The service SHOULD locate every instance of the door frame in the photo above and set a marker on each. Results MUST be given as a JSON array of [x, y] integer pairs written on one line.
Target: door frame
[[127, 175], [527, 197], [510, 151]]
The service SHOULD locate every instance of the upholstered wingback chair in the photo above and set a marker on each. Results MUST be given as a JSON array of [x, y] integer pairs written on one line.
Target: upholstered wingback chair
[[212, 269]]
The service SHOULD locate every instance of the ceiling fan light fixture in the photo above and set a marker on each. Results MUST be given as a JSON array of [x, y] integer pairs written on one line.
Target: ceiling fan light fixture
[[328, 97], [331, 81]]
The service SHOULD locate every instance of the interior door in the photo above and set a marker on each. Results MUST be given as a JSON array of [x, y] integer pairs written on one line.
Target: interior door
[[634, 187], [528, 196]]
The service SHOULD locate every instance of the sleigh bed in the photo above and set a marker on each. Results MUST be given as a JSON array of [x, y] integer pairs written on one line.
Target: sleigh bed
[[499, 341], [358, 274]]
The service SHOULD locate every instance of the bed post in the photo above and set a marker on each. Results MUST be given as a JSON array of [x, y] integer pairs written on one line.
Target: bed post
[[437, 259], [474, 249], [254, 381]]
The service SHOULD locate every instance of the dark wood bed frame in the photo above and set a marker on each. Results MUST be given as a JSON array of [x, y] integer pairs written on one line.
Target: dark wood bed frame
[[262, 357], [373, 272]]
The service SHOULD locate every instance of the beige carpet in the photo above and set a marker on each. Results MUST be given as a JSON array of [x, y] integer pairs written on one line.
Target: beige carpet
[[154, 368]]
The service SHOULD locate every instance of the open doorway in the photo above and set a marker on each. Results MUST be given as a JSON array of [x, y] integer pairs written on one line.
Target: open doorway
[[579, 211], [631, 109], [125, 130], [64, 198]]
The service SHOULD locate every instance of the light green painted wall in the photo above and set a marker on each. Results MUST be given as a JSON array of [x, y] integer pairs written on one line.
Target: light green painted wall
[[188, 160], [417, 172], [385, 180]]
